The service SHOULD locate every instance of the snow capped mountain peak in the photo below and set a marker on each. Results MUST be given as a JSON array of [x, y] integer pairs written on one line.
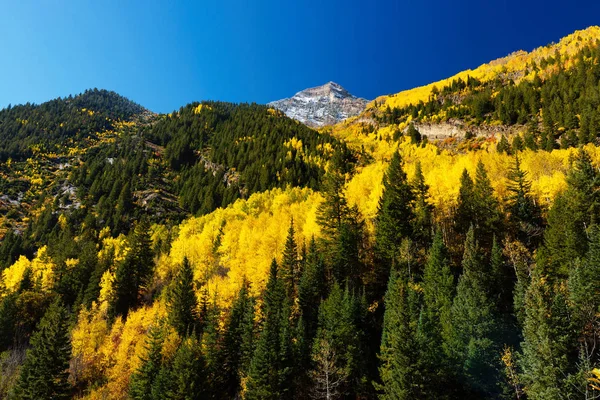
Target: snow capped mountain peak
[[321, 105]]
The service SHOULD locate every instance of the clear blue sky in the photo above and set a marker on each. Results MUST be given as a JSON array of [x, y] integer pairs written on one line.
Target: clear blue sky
[[166, 54]]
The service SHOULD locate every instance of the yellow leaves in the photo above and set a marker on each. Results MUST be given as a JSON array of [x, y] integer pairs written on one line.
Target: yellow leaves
[[513, 65], [594, 379], [251, 232], [119, 351], [13, 274], [199, 108], [62, 221], [274, 112], [87, 341], [42, 269]]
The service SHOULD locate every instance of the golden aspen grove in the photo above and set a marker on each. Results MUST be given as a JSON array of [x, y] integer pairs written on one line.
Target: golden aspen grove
[[442, 244]]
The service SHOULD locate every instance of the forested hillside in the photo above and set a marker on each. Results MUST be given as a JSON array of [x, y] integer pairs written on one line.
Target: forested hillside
[[225, 251]]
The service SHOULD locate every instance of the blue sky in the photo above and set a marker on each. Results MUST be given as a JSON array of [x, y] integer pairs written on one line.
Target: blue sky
[[166, 54]]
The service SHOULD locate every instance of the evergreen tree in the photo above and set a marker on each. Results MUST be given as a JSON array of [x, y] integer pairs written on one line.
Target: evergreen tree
[[183, 305], [290, 264], [413, 134], [524, 213], [134, 271], [438, 292], [265, 373], [237, 341], [503, 146], [45, 374], [472, 341], [395, 216], [142, 380], [312, 289], [487, 218], [336, 347], [465, 209], [399, 371], [547, 345], [188, 372], [8, 321], [423, 210]]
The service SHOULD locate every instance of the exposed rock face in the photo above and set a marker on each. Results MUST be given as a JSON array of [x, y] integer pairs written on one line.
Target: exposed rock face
[[321, 105]]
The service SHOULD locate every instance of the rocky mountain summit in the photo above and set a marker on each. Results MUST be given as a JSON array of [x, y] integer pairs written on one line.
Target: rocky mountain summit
[[321, 105]]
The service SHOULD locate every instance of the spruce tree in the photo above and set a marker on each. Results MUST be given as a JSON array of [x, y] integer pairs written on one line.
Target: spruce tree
[[188, 372], [523, 212], [8, 320], [472, 342], [182, 304], [423, 210], [45, 372], [487, 218], [465, 209], [335, 350], [134, 272], [237, 341], [548, 344], [264, 379], [312, 289], [399, 372], [394, 216], [142, 380], [438, 292], [290, 263]]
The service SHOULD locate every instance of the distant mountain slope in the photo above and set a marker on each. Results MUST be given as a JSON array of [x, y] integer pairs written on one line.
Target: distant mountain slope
[[321, 105], [543, 99], [514, 67], [59, 122]]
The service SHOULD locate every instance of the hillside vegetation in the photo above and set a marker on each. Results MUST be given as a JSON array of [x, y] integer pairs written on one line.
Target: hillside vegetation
[[226, 251]]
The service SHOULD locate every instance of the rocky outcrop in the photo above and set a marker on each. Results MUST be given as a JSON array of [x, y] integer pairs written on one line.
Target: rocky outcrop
[[322, 105]]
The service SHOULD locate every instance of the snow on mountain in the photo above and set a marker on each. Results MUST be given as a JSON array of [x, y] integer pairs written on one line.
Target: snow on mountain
[[321, 105]]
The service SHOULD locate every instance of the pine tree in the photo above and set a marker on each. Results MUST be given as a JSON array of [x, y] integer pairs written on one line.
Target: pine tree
[[465, 209], [188, 372], [398, 371], [423, 210], [45, 374], [312, 289], [183, 305], [524, 213], [413, 134], [336, 347], [547, 345], [237, 341], [134, 272], [503, 146], [394, 216], [342, 226], [438, 292], [8, 320], [290, 263], [487, 218], [472, 341], [142, 380], [264, 378]]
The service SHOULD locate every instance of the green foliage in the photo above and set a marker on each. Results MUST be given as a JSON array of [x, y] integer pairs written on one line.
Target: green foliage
[[45, 374], [395, 213], [268, 376], [238, 341], [134, 272], [399, 355], [183, 305], [143, 380], [472, 343]]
